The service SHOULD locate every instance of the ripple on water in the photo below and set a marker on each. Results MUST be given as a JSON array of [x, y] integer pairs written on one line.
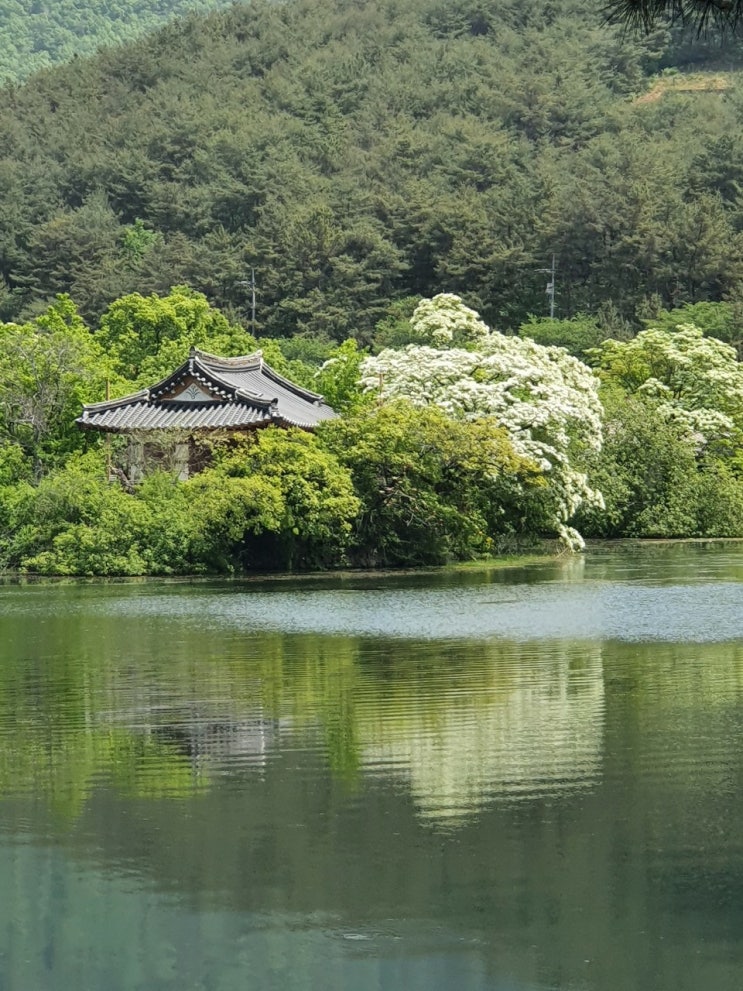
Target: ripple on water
[[699, 613]]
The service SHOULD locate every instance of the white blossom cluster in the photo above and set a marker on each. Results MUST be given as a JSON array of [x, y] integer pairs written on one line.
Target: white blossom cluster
[[694, 380], [545, 399], [445, 320]]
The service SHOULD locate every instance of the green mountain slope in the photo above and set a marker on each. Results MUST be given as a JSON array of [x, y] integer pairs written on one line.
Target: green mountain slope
[[35, 34], [356, 152]]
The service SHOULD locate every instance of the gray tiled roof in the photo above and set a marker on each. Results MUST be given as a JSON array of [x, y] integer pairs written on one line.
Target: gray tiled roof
[[244, 393]]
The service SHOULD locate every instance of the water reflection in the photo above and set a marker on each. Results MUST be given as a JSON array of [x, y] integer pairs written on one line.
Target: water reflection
[[89, 698], [462, 725], [211, 745], [526, 727], [190, 801]]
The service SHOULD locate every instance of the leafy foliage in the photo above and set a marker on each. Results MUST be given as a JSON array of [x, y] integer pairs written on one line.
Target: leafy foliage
[[655, 484], [577, 335], [444, 452], [48, 368], [647, 472], [432, 489], [146, 338], [700, 14], [74, 522], [275, 501], [671, 461], [304, 500], [338, 378], [360, 161], [723, 321]]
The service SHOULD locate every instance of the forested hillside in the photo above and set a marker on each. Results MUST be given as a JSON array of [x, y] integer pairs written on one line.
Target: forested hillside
[[358, 153], [35, 34]]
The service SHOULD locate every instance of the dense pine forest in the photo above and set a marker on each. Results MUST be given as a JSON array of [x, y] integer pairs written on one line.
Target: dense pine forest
[[377, 195], [357, 153]]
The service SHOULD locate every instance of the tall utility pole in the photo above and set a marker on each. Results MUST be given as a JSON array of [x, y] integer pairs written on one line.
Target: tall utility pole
[[252, 297], [250, 283], [551, 286]]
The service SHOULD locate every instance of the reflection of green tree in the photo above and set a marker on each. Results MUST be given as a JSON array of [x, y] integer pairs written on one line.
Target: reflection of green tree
[[55, 741], [684, 701], [65, 763], [89, 710], [508, 732], [666, 562]]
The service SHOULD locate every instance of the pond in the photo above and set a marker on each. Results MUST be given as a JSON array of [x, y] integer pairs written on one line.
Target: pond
[[513, 779]]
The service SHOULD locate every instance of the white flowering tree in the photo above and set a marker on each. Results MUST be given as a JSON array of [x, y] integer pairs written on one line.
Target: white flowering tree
[[545, 399], [689, 379], [445, 322]]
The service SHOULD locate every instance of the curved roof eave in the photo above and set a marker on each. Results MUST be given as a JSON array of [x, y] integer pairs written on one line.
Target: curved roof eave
[[134, 397]]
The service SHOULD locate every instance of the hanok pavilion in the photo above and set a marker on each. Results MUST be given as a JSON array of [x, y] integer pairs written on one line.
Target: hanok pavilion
[[205, 395]]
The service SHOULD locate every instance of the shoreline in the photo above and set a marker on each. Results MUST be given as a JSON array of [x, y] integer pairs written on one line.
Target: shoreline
[[502, 562]]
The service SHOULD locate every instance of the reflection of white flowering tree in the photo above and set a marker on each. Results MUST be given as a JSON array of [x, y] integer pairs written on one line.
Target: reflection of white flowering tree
[[509, 738], [545, 399]]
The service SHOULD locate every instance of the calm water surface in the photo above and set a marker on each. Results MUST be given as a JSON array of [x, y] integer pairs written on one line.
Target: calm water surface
[[518, 780]]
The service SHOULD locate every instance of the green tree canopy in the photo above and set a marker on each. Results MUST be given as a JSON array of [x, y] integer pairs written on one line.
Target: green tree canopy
[[148, 337], [358, 156], [35, 35], [432, 489], [48, 368]]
